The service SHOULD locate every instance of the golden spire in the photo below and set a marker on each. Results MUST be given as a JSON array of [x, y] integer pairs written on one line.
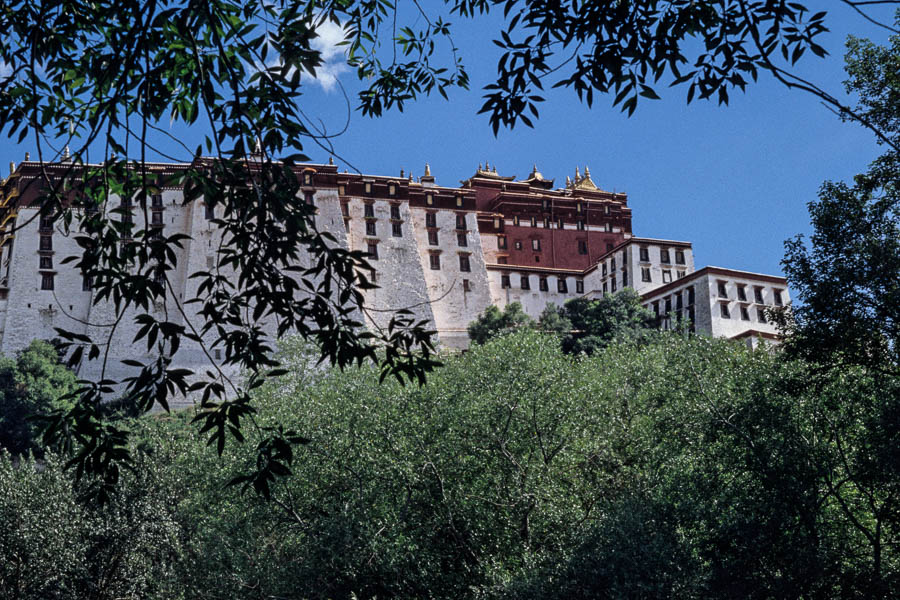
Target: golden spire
[[577, 175], [427, 170], [331, 160]]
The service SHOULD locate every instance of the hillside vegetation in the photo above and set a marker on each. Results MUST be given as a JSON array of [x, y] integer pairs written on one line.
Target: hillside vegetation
[[673, 467]]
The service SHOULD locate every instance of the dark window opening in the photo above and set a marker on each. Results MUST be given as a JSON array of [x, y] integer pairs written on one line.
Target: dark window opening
[[46, 281], [396, 229], [464, 264], [526, 282], [461, 240], [543, 285], [434, 261]]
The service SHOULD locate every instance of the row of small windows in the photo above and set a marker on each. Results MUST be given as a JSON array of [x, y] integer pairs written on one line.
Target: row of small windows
[[646, 275], [547, 223], [543, 285], [725, 313], [664, 256], [722, 290]]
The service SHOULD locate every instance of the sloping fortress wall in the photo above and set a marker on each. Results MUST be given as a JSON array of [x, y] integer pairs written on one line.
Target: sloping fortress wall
[[445, 253]]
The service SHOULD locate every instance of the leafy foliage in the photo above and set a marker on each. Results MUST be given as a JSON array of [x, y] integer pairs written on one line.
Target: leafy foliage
[[597, 323], [679, 467], [493, 322], [34, 383], [848, 278]]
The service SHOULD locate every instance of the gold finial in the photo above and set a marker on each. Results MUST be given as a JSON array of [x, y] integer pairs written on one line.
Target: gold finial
[[587, 172], [577, 175], [401, 173], [568, 181], [27, 156], [331, 160], [495, 168], [410, 178], [427, 170], [12, 167], [479, 166], [66, 153]]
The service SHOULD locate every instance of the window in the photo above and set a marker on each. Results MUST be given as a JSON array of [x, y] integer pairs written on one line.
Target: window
[[578, 207], [679, 257], [498, 224], [561, 286], [395, 211], [534, 221], [604, 288], [368, 187], [515, 221], [681, 274], [645, 274], [526, 282], [559, 224], [603, 269], [459, 200], [723, 310], [397, 229], [742, 293], [46, 281], [679, 301], [342, 189], [434, 260], [745, 314], [609, 228], [429, 199], [87, 283], [582, 247], [542, 284], [545, 204], [668, 304], [433, 237], [156, 201], [580, 224], [373, 250], [536, 245], [690, 295], [656, 308], [518, 244], [504, 281], [369, 210], [370, 228], [431, 219], [761, 315], [210, 211], [307, 179], [156, 217], [645, 255], [624, 276], [501, 242], [46, 243], [537, 258], [461, 221], [46, 223], [461, 240], [612, 284], [664, 255], [612, 265], [392, 189], [464, 263], [723, 293], [757, 295], [217, 353], [579, 286], [546, 223], [606, 209], [467, 287], [778, 300], [46, 262], [667, 276]]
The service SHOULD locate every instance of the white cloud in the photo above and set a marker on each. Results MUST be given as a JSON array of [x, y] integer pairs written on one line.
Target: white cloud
[[334, 57]]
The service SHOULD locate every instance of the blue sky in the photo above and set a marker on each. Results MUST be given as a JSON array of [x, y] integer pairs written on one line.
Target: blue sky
[[734, 180]]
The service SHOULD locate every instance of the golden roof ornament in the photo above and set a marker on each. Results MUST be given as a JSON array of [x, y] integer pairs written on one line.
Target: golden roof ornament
[[584, 183], [427, 170], [331, 160]]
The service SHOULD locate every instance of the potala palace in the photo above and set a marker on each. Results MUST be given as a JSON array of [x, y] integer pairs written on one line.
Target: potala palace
[[445, 252]]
